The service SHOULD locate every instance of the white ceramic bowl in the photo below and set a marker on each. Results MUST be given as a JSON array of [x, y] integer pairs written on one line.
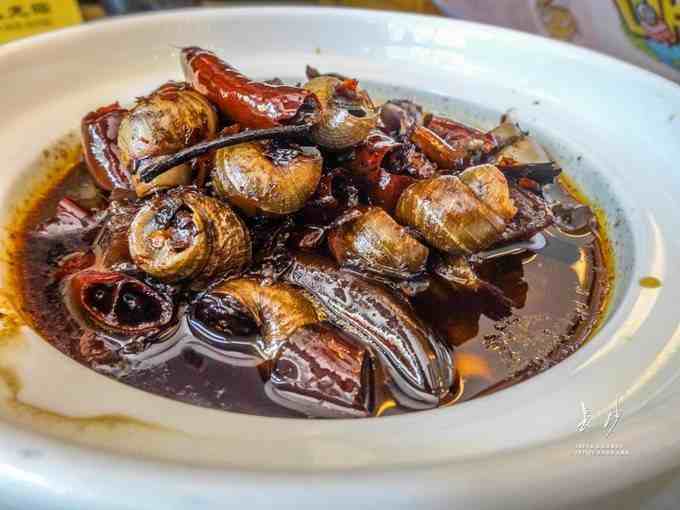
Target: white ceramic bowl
[[70, 438]]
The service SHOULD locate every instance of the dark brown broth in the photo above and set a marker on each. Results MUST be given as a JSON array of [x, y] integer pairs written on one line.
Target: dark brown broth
[[559, 295]]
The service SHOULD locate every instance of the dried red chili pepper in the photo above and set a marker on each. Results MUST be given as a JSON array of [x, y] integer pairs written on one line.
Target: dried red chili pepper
[[72, 263], [348, 89], [459, 135], [370, 153], [384, 188], [100, 146], [251, 103], [439, 150], [528, 184], [117, 303]]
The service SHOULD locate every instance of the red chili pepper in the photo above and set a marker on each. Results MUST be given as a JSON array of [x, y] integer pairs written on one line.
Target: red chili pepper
[[118, 303], [250, 103], [458, 135], [71, 214], [348, 89], [437, 149], [336, 193], [73, 263], [384, 188], [370, 153], [230, 130], [100, 146], [529, 184], [68, 209]]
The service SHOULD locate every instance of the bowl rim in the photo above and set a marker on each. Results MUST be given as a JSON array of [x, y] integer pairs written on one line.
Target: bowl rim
[[83, 458], [18, 45]]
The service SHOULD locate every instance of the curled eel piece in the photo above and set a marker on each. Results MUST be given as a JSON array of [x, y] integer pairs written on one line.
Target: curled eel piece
[[420, 366], [277, 310], [315, 369]]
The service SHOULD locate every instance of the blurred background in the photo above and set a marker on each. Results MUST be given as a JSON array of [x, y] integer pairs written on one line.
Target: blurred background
[[643, 32]]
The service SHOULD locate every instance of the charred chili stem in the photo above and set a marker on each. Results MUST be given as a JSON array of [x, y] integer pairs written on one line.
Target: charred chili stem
[[151, 168], [543, 173]]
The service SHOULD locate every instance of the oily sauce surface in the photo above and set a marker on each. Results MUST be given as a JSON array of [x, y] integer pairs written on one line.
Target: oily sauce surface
[[558, 297]]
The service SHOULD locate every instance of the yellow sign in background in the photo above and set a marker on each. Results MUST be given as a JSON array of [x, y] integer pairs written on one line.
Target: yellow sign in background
[[21, 18]]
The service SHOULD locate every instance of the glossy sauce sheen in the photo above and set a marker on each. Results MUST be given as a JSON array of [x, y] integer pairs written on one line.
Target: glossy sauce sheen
[[558, 296]]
